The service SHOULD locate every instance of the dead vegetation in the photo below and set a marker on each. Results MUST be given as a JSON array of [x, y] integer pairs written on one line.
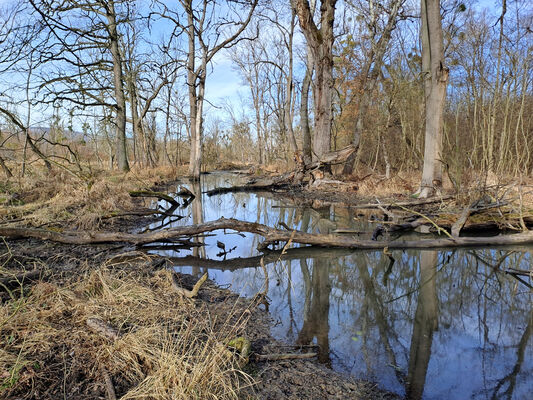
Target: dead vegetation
[[59, 198], [166, 347]]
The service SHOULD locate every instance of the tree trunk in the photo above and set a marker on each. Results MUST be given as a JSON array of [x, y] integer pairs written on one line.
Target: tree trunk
[[320, 44], [289, 90], [121, 151], [435, 80], [304, 118], [5, 168]]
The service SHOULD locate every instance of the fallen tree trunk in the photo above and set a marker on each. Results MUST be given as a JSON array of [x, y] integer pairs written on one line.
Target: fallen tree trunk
[[293, 178], [157, 195], [404, 204], [270, 235]]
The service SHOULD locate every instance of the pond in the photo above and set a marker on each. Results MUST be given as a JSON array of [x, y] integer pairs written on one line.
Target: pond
[[429, 324]]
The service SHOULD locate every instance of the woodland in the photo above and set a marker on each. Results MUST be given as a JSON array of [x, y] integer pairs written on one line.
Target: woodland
[[419, 111]]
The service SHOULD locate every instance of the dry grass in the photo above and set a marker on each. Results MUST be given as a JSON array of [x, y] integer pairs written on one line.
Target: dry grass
[[169, 347], [47, 199]]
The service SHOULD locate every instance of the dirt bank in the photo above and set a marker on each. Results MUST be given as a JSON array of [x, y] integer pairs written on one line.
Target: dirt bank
[[49, 352]]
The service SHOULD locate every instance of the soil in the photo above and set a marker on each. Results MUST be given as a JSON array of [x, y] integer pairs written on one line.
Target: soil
[[288, 379]]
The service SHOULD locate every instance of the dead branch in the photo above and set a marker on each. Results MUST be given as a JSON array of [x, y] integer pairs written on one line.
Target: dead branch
[[458, 225], [286, 356], [189, 293], [270, 235], [157, 195], [110, 389], [19, 279]]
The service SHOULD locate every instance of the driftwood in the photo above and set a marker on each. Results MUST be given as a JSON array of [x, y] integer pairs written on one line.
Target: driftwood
[[185, 292], [104, 329], [293, 178]]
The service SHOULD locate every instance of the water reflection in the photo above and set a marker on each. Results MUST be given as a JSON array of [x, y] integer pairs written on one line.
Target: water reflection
[[432, 325], [424, 325]]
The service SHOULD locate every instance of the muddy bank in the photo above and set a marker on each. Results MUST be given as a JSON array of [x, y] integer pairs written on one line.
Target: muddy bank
[[62, 266]]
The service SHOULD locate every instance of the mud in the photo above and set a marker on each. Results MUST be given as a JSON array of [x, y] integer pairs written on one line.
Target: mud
[[288, 379]]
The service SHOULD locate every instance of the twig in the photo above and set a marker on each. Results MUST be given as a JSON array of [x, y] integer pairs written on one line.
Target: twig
[[286, 356], [110, 389], [189, 293]]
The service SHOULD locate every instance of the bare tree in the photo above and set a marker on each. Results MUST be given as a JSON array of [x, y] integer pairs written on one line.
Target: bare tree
[[206, 23], [435, 75], [320, 43], [380, 37], [81, 35]]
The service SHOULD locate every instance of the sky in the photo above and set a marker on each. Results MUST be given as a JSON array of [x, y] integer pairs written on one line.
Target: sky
[[224, 84]]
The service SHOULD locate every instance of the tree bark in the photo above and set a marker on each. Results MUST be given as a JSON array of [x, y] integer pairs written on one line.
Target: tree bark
[[320, 44], [120, 120], [435, 80], [304, 118], [271, 236]]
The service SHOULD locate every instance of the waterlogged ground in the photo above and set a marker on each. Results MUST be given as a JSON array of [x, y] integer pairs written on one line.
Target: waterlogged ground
[[430, 324]]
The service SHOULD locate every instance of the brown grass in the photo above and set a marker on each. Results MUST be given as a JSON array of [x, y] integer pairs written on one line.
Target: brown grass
[[60, 198], [169, 346]]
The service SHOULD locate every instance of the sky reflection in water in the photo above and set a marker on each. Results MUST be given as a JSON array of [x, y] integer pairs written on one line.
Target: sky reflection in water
[[435, 325]]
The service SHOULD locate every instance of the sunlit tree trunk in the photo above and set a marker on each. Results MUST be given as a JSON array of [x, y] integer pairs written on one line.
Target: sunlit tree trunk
[[435, 75], [320, 44], [120, 119]]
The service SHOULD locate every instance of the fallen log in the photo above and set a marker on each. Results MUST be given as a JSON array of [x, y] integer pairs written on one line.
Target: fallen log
[[405, 204], [293, 178], [157, 195], [270, 235]]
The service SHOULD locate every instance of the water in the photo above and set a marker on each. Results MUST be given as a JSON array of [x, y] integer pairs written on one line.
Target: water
[[434, 324]]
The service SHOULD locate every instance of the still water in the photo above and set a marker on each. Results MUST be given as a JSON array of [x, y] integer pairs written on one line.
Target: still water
[[444, 324]]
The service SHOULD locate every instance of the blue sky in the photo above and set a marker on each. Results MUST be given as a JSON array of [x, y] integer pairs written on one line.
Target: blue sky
[[224, 84]]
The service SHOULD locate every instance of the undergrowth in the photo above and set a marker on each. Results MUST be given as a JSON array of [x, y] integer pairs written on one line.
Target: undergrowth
[[169, 346], [62, 199]]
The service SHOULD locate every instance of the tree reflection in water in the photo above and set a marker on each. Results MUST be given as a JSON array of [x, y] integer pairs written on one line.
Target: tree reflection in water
[[376, 320], [425, 323]]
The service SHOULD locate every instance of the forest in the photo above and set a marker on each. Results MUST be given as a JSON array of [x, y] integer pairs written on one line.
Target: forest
[[220, 198]]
